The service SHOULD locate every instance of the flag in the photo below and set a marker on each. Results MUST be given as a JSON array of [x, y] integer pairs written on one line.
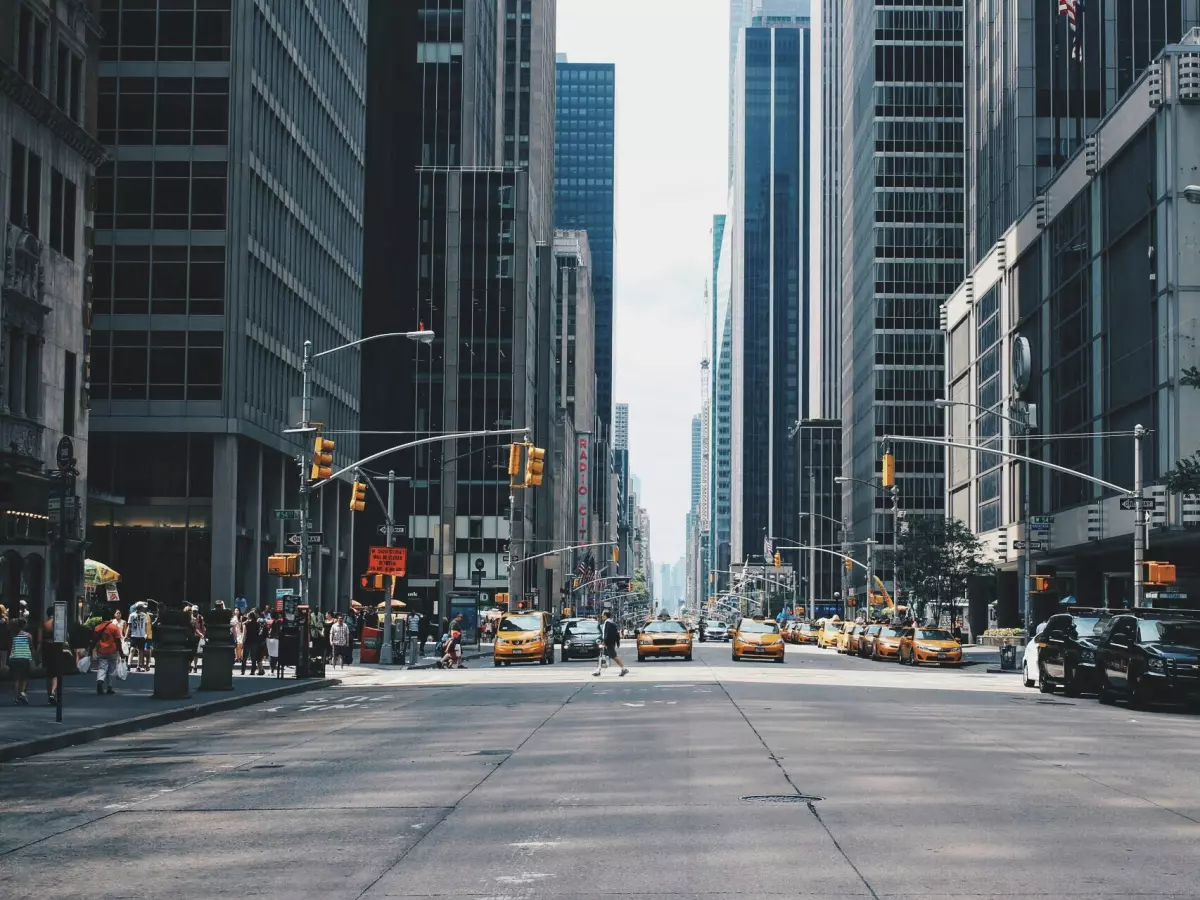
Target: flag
[[768, 549], [1074, 13]]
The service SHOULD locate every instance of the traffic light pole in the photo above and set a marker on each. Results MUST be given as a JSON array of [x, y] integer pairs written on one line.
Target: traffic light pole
[[385, 652], [305, 423]]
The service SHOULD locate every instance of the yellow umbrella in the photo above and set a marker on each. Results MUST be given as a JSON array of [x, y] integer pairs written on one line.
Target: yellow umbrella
[[396, 604], [98, 573]]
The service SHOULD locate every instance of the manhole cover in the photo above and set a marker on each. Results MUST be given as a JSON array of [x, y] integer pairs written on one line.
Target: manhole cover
[[783, 798], [268, 766], [490, 752]]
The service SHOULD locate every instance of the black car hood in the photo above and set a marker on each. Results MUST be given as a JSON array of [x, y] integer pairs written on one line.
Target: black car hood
[[1178, 652]]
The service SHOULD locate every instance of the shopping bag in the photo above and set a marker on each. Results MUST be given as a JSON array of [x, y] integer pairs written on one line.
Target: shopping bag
[[85, 665], [122, 669], [272, 647]]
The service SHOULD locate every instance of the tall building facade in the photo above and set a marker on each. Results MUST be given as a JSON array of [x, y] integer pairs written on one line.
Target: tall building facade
[[1030, 103], [621, 431], [584, 192], [48, 125], [722, 403], [901, 242], [768, 229], [697, 446], [228, 231], [825, 366]]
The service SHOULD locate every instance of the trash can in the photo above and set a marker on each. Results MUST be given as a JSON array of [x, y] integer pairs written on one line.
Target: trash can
[[1008, 658]]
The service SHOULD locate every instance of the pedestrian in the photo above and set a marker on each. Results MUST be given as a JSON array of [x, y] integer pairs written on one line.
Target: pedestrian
[[612, 640], [274, 630], [49, 656], [119, 621], [107, 645], [198, 632], [20, 661], [251, 630], [139, 633], [5, 640], [453, 655], [339, 640]]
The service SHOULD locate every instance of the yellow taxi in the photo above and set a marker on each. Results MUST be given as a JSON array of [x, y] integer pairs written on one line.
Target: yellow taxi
[[664, 637], [757, 638], [841, 642], [524, 637], [828, 632], [930, 645], [854, 640], [804, 633], [887, 642]]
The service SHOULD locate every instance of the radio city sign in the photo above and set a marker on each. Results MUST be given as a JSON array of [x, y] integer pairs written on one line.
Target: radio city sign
[[583, 459]]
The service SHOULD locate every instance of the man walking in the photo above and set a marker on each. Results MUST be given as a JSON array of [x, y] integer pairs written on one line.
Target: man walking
[[339, 640], [612, 640], [138, 628], [108, 651]]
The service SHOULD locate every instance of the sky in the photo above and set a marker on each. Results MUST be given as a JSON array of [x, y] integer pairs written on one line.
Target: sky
[[671, 61]]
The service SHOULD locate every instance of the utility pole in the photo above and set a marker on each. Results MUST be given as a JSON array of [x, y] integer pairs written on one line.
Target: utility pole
[[1139, 519], [870, 573], [385, 652], [305, 417], [845, 571], [812, 541]]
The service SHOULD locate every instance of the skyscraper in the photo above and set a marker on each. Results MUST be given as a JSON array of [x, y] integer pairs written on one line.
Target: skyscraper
[[584, 193], [696, 451], [621, 431], [901, 242], [228, 231], [825, 359], [768, 228]]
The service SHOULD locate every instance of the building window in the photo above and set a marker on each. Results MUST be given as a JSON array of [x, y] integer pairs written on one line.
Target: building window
[[62, 214], [32, 45], [70, 373], [68, 81], [25, 189]]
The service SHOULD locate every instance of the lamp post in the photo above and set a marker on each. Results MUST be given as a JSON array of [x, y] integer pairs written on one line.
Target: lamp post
[[1024, 557], [894, 493]]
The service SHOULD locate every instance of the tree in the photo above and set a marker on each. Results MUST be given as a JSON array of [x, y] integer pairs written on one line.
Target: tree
[[1185, 477], [937, 557]]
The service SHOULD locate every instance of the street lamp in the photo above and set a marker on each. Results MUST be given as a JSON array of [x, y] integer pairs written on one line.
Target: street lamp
[[894, 493], [1191, 193], [1024, 559]]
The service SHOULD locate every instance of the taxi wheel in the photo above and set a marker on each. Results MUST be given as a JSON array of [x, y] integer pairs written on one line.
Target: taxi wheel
[[542, 661], [565, 655], [507, 663], [912, 659], [687, 658], [496, 663], [641, 658], [1045, 685], [780, 660], [736, 658]]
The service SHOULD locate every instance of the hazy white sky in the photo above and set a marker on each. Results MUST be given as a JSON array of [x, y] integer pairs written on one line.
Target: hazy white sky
[[672, 67]]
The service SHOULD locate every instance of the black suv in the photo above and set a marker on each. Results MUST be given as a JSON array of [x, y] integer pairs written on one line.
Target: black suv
[[1067, 650], [1149, 656]]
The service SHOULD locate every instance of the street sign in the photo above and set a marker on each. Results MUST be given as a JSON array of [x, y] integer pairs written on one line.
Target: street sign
[[398, 530], [477, 578], [1137, 503], [287, 513], [1165, 595], [1032, 545], [1037, 526], [60, 622], [65, 454], [387, 560], [479, 564], [1041, 520], [314, 537]]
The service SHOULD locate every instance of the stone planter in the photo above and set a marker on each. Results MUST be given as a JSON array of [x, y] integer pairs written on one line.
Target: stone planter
[[990, 641], [216, 671], [172, 656]]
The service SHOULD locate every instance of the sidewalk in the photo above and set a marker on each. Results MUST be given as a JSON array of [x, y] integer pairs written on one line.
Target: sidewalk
[[28, 730]]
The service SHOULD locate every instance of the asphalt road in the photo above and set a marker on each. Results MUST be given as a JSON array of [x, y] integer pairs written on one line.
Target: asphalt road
[[543, 781]]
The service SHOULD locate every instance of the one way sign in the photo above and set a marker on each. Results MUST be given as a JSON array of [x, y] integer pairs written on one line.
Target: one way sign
[[1137, 503], [314, 537]]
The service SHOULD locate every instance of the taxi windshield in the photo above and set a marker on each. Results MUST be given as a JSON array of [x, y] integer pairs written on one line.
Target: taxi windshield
[[933, 634], [749, 626], [887, 631], [671, 627], [521, 623], [833, 626]]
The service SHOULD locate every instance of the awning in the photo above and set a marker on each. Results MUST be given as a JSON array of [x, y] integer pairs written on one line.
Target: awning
[[95, 573]]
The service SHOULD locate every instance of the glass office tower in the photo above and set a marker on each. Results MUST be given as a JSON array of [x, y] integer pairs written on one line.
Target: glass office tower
[[901, 240]]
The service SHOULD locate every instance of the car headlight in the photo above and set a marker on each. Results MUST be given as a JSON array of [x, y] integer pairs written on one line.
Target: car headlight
[[1086, 655], [1154, 664]]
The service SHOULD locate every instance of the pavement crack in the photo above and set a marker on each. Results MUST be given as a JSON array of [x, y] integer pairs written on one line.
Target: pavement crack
[[451, 810]]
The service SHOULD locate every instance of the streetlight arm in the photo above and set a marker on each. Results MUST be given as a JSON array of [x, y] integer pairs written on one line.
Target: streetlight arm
[[566, 548], [840, 555], [1029, 459], [946, 404], [429, 440], [411, 335]]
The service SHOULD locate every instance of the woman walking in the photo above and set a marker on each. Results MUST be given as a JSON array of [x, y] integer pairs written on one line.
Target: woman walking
[[20, 662], [252, 645]]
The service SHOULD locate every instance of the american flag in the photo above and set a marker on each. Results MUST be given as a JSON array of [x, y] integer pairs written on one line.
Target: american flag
[[586, 566], [1074, 13]]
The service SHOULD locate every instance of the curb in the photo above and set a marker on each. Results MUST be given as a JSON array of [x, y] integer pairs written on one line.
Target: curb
[[1004, 671], [467, 657], [92, 733]]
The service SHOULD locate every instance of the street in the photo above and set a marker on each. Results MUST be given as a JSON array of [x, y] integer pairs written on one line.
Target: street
[[543, 781]]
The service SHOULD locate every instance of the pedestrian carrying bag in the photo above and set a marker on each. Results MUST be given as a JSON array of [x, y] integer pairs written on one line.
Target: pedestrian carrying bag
[[85, 665], [122, 669]]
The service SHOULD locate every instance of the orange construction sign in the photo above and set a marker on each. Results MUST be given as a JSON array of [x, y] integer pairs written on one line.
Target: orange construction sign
[[388, 561]]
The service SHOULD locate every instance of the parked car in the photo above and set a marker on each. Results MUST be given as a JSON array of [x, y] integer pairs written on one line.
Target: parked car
[[931, 645], [887, 642], [827, 635], [1066, 651], [581, 640], [1145, 658], [804, 633], [866, 641]]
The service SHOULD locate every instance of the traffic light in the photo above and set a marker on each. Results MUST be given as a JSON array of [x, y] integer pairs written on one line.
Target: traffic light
[[889, 469], [535, 462], [1039, 584], [284, 565], [514, 458], [778, 560], [322, 459], [616, 554], [502, 599], [358, 497], [1160, 573], [849, 565], [371, 582]]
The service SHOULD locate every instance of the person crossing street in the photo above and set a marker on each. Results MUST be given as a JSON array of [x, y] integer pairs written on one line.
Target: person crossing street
[[612, 640]]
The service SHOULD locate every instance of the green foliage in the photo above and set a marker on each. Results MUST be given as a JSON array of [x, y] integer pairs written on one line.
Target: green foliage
[[1004, 632], [936, 559]]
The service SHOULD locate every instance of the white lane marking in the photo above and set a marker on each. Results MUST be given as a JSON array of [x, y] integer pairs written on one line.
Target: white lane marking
[[531, 844], [523, 878], [634, 705]]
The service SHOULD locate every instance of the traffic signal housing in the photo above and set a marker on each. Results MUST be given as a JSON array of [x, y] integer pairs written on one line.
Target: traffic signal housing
[[358, 497], [285, 565], [778, 560], [371, 582], [535, 464], [1039, 584], [1160, 573], [889, 469], [322, 459], [514, 458], [849, 565]]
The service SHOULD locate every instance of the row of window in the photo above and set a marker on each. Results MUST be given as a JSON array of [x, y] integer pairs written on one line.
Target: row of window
[[170, 30], [33, 62], [176, 195], [178, 111], [25, 200], [156, 365], [567, 74], [159, 280]]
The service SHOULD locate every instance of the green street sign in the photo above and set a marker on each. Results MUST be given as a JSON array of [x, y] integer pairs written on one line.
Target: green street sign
[[287, 513]]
